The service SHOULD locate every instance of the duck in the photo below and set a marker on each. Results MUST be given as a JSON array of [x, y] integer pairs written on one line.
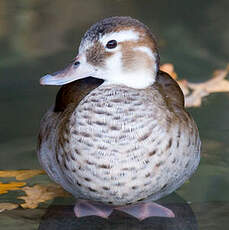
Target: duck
[[118, 136]]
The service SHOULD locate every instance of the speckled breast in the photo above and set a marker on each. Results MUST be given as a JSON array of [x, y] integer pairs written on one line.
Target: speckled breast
[[126, 145]]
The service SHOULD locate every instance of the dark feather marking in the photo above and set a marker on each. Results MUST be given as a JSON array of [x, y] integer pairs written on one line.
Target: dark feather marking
[[169, 144], [152, 153]]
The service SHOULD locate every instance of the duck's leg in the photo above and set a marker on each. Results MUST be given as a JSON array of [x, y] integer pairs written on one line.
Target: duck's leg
[[147, 209], [89, 208]]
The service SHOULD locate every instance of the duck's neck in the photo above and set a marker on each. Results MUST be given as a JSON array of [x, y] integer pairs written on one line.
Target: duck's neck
[[139, 79]]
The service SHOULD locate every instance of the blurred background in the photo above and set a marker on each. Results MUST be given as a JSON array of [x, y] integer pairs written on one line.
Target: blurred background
[[39, 37]]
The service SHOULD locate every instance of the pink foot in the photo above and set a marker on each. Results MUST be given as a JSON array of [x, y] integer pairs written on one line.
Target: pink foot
[[144, 210], [89, 208]]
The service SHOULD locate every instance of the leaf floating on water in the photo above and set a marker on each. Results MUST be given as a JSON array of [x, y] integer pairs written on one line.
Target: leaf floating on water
[[5, 187], [41, 193], [194, 92], [7, 206], [21, 174]]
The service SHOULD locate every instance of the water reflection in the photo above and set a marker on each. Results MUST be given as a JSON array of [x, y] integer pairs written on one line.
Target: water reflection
[[62, 217], [208, 215]]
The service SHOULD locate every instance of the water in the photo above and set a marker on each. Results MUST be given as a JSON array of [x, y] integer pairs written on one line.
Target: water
[[38, 37]]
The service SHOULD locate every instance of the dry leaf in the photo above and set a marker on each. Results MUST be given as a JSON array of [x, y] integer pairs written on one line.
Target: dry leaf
[[21, 174], [41, 193], [194, 92], [4, 187], [7, 206], [169, 68], [216, 84]]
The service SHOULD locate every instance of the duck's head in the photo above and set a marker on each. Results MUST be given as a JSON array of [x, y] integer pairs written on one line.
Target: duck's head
[[119, 50]]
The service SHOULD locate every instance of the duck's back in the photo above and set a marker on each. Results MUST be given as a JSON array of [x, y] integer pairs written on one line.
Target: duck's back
[[119, 145]]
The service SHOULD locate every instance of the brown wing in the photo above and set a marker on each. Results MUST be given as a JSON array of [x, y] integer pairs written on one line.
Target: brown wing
[[74, 92], [170, 89]]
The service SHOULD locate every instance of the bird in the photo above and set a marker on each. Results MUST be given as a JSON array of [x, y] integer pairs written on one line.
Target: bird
[[118, 136]]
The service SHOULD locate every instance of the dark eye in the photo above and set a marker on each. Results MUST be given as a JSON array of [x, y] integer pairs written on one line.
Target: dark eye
[[111, 44], [76, 64]]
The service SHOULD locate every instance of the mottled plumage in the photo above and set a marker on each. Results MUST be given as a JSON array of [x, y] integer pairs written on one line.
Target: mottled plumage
[[120, 145], [118, 142]]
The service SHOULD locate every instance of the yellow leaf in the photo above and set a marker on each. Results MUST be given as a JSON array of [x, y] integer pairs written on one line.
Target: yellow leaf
[[4, 188], [169, 68], [41, 193], [21, 174], [7, 206]]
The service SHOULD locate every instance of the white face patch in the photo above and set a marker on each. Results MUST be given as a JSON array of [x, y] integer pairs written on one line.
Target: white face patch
[[113, 66], [113, 73], [121, 36], [147, 51]]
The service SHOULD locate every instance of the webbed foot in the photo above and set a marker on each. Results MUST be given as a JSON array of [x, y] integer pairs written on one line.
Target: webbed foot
[[144, 210], [90, 208]]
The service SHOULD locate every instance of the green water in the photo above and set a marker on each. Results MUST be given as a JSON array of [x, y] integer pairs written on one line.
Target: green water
[[39, 37]]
